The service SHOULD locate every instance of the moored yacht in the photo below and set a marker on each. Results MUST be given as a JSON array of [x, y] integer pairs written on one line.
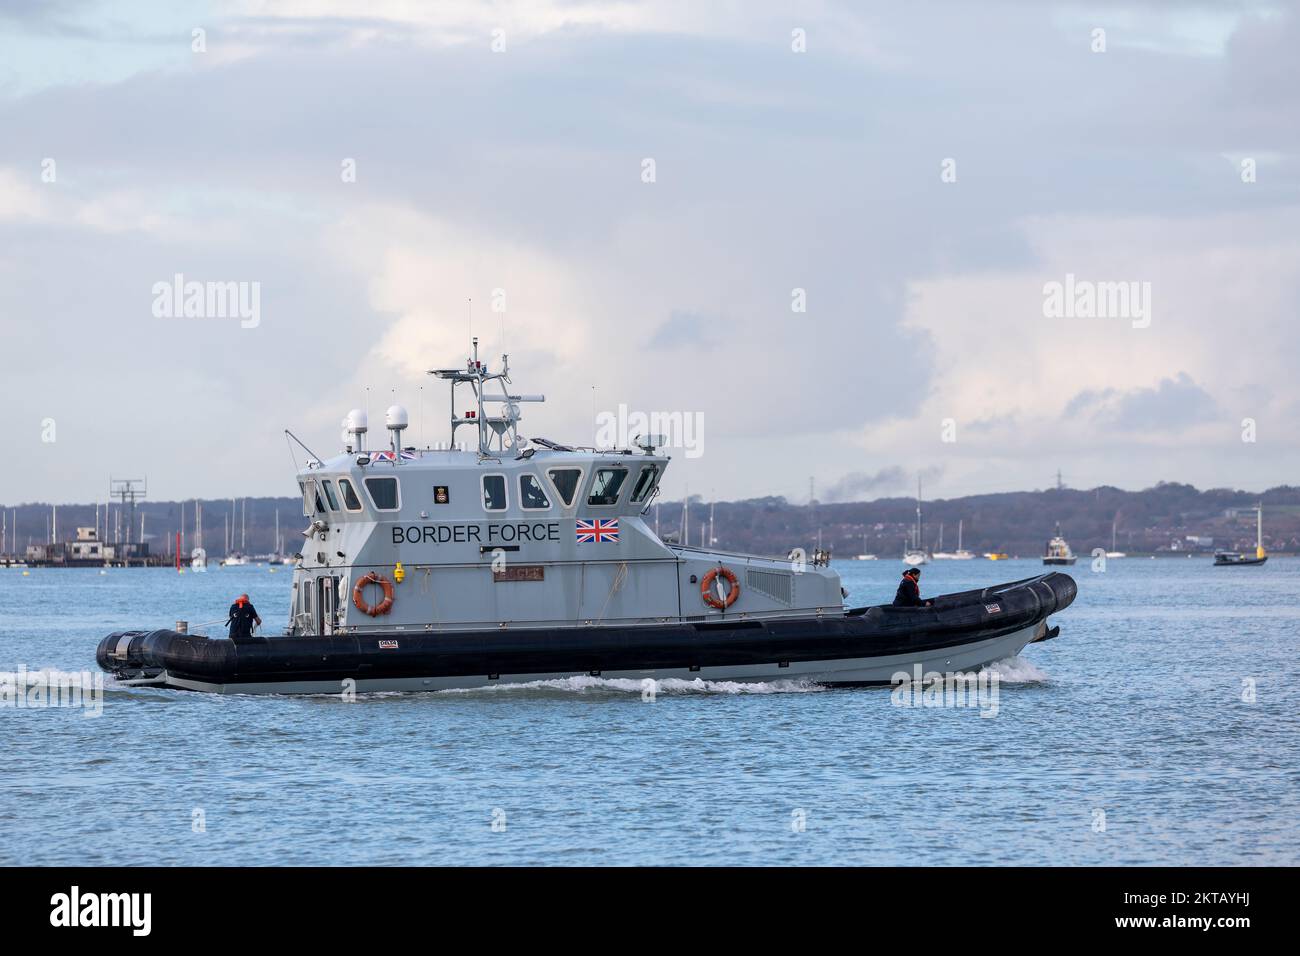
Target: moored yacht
[[1114, 551], [510, 560], [961, 554], [914, 553]]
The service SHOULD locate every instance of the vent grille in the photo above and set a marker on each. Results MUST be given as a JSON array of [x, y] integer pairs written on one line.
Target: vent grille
[[778, 585]]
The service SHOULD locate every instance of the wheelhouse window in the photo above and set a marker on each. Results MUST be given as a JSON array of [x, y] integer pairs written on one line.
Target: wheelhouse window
[[383, 492], [329, 494], [606, 486], [494, 492], [311, 499], [350, 499], [645, 482], [531, 495], [566, 481]]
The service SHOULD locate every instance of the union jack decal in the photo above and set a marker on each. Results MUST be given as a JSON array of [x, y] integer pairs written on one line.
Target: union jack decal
[[596, 530]]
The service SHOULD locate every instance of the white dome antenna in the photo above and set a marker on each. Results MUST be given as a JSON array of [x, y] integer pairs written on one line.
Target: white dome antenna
[[355, 425], [396, 419]]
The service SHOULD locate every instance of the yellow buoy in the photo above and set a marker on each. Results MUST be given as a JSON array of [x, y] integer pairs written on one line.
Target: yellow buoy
[[399, 572]]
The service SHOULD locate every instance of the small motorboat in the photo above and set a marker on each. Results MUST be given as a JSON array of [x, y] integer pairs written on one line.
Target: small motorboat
[[1235, 559], [1058, 550]]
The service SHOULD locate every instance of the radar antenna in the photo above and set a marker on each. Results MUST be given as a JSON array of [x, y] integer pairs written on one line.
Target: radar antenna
[[503, 427]]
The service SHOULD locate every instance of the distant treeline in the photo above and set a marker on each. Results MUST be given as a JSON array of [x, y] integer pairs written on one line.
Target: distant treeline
[[1162, 518], [1019, 523]]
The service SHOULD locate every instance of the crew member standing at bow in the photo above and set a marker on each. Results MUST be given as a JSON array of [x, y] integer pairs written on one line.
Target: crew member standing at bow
[[242, 618], [909, 590]]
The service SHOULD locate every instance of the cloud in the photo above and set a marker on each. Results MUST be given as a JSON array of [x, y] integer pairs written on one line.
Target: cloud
[[687, 330], [1172, 405], [776, 171]]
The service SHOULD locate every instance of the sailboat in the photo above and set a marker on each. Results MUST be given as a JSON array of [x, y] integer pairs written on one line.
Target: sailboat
[[1234, 558], [1114, 552], [237, 558], [916, 553], [961, 554], [864, 556]]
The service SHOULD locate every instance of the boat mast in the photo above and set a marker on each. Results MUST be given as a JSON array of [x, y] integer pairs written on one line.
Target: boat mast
[[919, 545], [1259, 530]]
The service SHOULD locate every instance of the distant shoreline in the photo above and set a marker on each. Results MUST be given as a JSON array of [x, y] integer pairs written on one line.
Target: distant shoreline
[[1169, 520]]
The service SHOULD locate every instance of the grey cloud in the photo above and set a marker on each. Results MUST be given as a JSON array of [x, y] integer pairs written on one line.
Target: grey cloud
[[687, 329], [1174, 404]]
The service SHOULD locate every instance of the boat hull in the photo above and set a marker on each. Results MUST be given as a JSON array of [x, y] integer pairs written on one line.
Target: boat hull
[[860, 647]]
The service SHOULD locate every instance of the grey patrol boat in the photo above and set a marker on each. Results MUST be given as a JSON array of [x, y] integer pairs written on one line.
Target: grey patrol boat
[[514, 560]]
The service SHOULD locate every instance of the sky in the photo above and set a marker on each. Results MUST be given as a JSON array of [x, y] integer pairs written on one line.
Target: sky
[[826, 234]]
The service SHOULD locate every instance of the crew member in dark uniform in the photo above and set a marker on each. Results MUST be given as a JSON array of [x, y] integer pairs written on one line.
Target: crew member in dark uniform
[[242, 617], [909, 590]]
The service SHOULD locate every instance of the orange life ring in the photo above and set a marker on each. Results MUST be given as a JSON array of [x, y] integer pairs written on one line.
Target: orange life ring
[[706, 588], [359, 597]]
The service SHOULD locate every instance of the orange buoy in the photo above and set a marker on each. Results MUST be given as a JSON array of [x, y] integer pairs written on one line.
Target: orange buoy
[[708, 594], [359, 597]]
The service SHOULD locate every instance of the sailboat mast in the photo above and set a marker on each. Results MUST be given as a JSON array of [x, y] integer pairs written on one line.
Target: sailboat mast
[[919, 545]]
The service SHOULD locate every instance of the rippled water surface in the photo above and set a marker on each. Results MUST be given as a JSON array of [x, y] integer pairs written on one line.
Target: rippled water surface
[[1133, 719]]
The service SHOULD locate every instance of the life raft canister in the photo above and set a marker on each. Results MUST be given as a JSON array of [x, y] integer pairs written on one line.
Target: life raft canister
[[710, 596], [359, 597]]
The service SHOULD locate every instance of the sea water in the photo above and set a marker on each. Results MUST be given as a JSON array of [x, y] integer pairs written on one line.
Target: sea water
[[1162, 726]]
